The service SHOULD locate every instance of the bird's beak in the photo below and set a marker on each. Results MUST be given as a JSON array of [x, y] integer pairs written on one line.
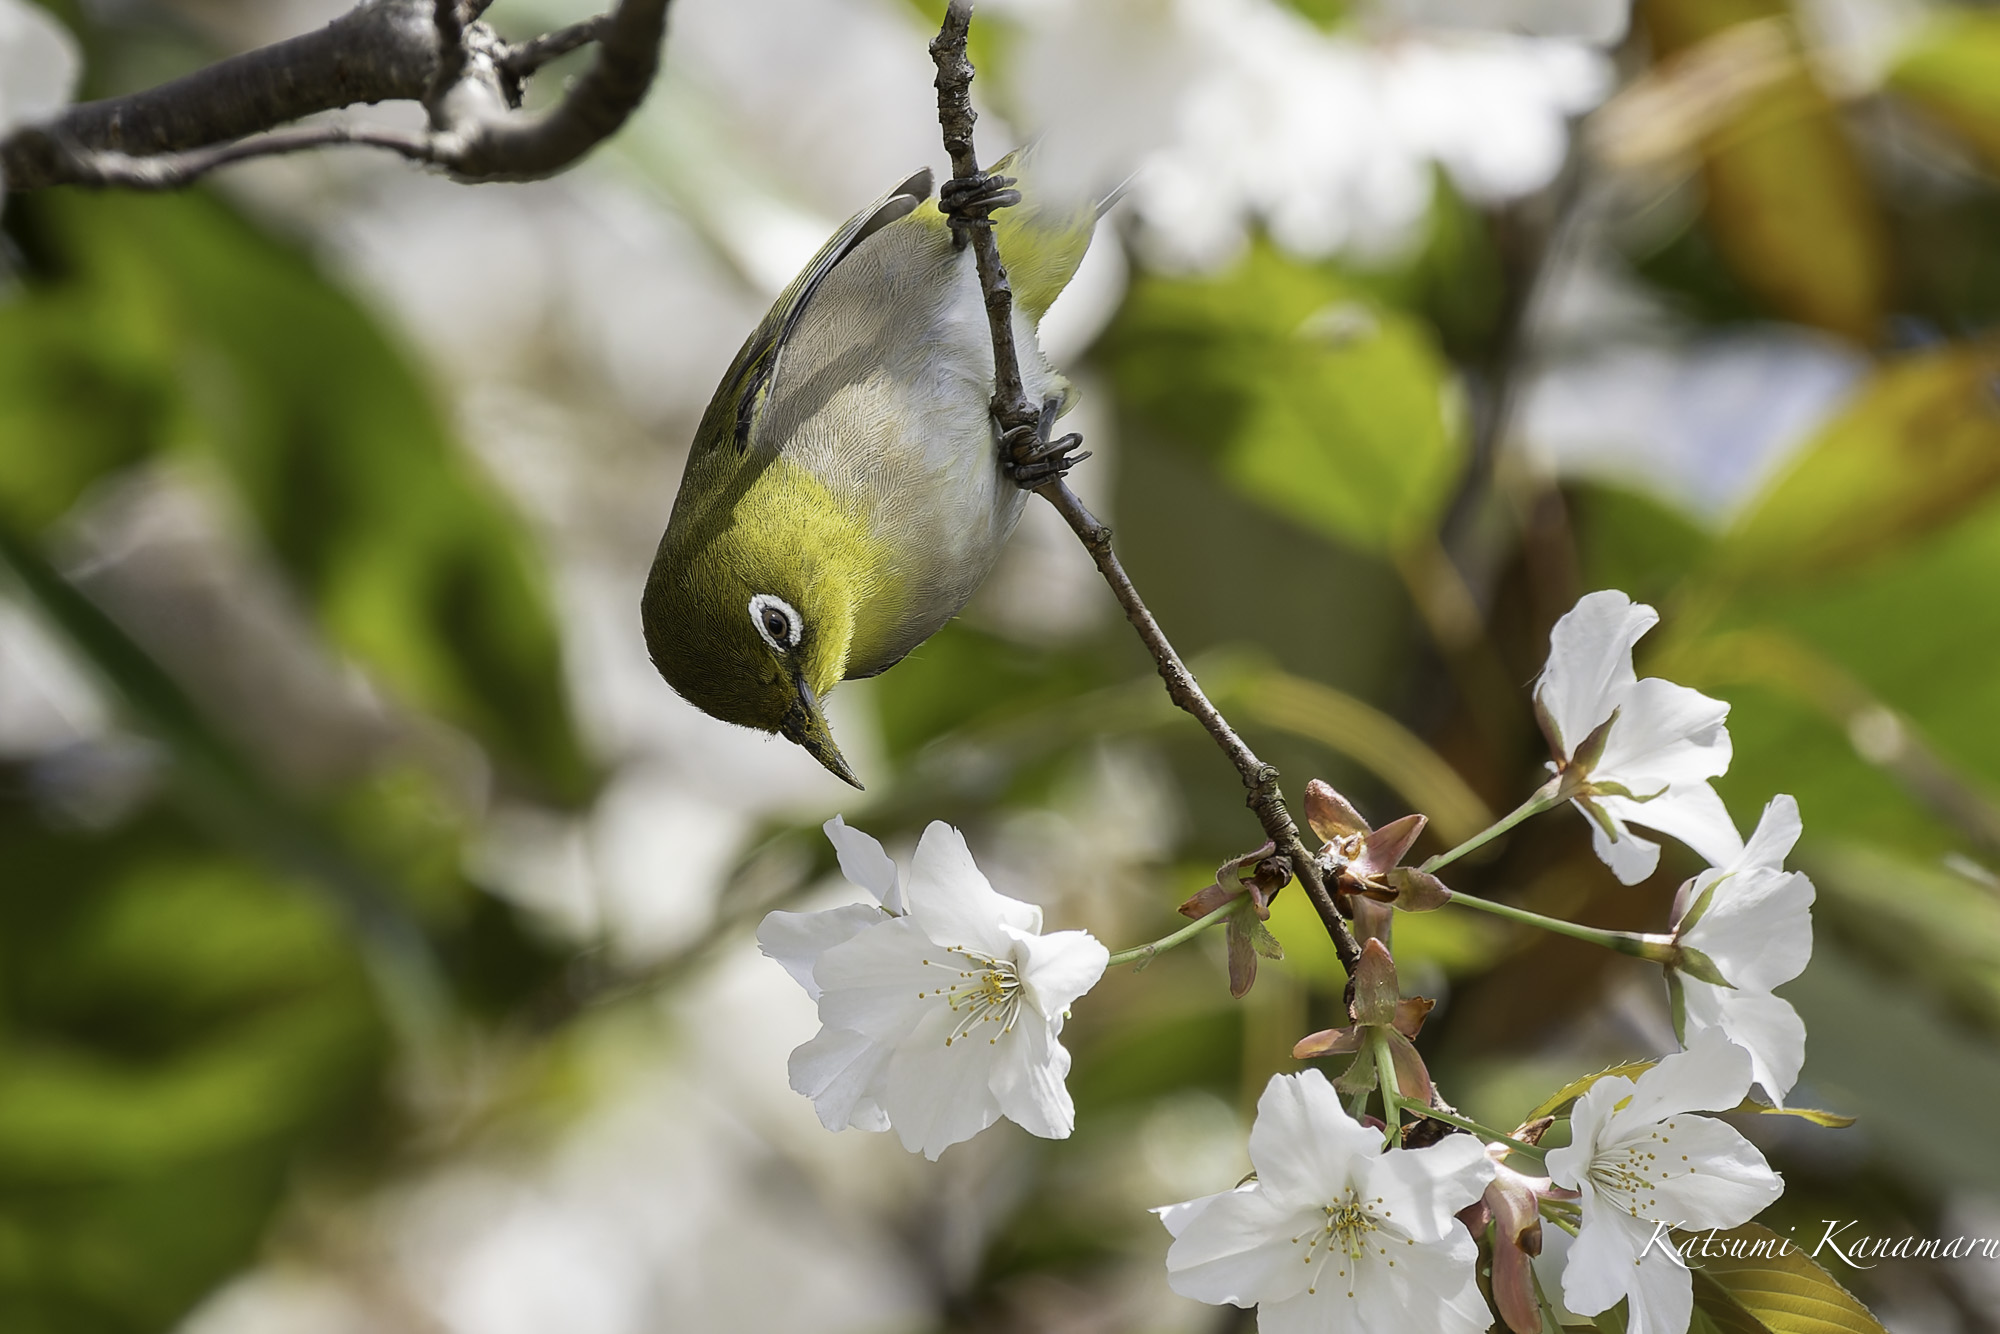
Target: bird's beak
[[806, 725]]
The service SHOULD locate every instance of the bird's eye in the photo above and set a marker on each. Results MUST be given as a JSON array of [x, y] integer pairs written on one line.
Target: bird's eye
[[776, 621]]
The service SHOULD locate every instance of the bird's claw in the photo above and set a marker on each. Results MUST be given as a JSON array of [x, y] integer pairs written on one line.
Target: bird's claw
[[1034, 456], [969, 201]]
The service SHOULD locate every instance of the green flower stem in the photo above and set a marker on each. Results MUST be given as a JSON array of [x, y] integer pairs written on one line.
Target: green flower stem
[[1144, 953], [1463, 1123], [1392, 1098], [1547, 797], [1657, 949]]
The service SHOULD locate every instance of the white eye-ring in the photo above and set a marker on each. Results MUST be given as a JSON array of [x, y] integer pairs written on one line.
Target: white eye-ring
[[776, 621]]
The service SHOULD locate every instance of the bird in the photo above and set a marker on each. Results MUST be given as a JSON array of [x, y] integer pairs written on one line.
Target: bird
[[847, 490]]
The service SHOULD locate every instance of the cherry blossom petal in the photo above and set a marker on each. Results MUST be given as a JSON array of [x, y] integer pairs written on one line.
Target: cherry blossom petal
[[1176, 1217], [1590, 662], [1303, 1143], [1601, 1258], [878, 982], [836, 1070], [1757, 928], [1661, 1291], [1027, 1081], [1238, 1250], [1712, 1075], [1777, 832], [1725, 1181], [1430, 1287], [1690, 812], [864, 863], [1422, 1188], [1764, 1025], [1630, 857], [39, 62], [936, 1094], [1665, 734], [797, 939], [951, 899], [1058, 968]]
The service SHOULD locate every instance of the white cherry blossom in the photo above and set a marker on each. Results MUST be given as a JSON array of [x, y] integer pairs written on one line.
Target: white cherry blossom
[[1752, 919], [38, 64], [1244, 116], [835, 1067], [1664, 745], [941, 1009], [1643, 1164], [1336, 1235]]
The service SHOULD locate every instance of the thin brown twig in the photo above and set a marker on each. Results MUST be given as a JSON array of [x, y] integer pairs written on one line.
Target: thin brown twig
[[172, 171], [1012, 409]]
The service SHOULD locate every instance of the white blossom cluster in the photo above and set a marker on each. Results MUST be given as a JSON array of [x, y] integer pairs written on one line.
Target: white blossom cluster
[[942, 1003], [1238, 114], [38, 65]]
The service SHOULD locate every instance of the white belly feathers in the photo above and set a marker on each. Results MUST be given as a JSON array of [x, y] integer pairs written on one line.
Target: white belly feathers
[[916, 456]]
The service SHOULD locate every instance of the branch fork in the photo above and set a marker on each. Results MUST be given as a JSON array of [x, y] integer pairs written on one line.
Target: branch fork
[[439, 53]]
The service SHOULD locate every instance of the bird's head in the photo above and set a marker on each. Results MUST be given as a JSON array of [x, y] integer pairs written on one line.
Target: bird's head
[[749, 617]]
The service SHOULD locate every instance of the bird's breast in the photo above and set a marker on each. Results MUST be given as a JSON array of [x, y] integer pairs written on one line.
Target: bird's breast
[[903, 439]]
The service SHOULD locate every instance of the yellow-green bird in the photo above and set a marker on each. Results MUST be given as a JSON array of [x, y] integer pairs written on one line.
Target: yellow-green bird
[[846, 493]]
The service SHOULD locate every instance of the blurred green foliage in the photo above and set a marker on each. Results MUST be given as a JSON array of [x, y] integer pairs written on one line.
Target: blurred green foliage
[[179, 1031], [179, 329], [1327, 407]]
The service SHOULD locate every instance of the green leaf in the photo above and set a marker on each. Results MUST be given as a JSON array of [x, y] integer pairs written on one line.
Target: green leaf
[[61, 380], [209, 338], [1702, 968], [1787, 202], [1556, 1102], [1951, 70], [1777, 1292], [1917, 447], [1936, 928], [224, 789], [1832, 1120], [1721, 1315], [1313, 401], [180, 1037]]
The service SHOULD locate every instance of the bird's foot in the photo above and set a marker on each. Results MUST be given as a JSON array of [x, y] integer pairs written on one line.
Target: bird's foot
[[970, 201], [1034, 456]]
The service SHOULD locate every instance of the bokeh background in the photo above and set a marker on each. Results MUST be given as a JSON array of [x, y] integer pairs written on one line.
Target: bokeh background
[[375, 926]]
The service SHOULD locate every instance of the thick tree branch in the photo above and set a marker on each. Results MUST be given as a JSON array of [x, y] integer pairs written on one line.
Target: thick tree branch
[[600, 101], [1013, 410], [383, 50], [527, 57]]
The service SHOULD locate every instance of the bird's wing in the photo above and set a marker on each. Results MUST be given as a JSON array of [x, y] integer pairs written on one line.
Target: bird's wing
[[748, 381]]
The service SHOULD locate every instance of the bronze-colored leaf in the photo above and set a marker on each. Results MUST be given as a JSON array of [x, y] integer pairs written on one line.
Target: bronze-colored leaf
[[1330, 814], [1375, 986], [1386, 846], [1330, 1042], [1417, 891], [1787, 202]]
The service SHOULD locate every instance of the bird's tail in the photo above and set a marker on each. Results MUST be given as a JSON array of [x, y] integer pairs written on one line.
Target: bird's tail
[[1042, 239]]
